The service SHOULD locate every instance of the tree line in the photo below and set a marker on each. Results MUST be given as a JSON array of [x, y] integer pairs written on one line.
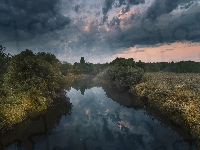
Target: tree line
[[176, 67], [31, 81], [83, 67]]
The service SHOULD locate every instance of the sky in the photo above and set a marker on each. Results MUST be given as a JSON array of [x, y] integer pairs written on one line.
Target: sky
[[101, 30]]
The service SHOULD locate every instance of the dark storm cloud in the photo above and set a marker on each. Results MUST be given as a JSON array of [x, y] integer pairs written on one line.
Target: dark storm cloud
[[108, 5], [162, 22], [124, 10], [76, 8], [29, 18], [161, 6], [93, 28], [121, 2], [135, 2], [114, 21], [129, 2]]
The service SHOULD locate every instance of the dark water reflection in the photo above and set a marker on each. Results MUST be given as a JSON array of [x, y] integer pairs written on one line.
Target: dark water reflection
[[97, 122], [36, 128]]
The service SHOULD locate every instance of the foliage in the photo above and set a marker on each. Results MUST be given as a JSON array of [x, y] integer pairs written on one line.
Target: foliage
[[122, 62], [65, 68], [86, 68], [4, 60], [97, 68], [176, 95], [30, 84], [29, 71], [120, 75], [177, 67]]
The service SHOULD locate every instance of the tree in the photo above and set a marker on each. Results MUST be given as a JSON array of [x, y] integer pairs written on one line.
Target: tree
[[123, 62], [4, 60], [65, 68], [82, 61], [29, 72]]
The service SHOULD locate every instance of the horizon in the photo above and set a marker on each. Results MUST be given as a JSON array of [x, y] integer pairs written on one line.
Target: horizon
[[146, 30]]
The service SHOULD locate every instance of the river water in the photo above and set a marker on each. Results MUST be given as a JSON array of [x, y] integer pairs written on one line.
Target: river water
[[95, 119]]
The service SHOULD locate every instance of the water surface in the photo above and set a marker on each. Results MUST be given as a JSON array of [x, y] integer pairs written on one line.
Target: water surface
[[97, 122]]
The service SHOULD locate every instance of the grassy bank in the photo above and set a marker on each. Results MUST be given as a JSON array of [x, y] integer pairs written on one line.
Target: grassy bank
[[29, 84], [175, 95]]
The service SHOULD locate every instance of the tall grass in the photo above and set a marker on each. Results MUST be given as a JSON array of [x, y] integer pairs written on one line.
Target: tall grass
[[175, 95]]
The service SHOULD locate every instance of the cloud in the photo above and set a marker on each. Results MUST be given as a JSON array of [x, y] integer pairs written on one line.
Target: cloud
[[108, 5], [163, 51], [71, 29], [139, 51], [124, 10], [76, 8], [28, 14], [25, 19], [114, 21]]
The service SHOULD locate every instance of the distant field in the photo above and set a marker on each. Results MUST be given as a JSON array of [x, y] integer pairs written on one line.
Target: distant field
[[177, 95]]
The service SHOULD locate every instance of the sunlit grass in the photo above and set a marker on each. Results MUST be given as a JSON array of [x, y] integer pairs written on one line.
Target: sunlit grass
[[28, 86], [176, 95], [15, 109]]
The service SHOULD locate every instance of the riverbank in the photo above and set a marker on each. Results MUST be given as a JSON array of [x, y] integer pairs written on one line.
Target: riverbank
[[31, 82], [175, 95], [29, 85]]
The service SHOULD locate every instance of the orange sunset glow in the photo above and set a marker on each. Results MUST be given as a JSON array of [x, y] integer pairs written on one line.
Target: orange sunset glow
[[164, 53]]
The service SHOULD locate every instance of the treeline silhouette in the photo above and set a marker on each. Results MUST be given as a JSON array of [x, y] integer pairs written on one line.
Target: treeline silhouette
[[90, 68], [82, 67], [176, 67]]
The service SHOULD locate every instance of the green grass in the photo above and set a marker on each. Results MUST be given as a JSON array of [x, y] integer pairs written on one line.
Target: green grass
[[29, 85], [175, 95]]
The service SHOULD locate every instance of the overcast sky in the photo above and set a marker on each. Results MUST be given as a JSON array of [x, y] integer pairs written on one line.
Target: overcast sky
[[100, 30]]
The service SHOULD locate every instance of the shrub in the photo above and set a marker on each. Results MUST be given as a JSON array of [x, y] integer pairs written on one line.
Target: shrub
[[4, 60], [30, 84], [175, 95], [28, 71], [119, 77]]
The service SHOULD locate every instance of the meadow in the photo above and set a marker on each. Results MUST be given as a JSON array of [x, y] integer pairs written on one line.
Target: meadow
[[176, 95]]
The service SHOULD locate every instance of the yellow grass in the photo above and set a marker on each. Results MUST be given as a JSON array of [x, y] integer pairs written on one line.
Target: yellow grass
[[176, 95], [17, 109]]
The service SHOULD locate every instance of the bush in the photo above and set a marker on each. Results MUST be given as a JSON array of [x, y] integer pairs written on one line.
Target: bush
[[30, 84], [4, 60], [119, 77], [29, 71]]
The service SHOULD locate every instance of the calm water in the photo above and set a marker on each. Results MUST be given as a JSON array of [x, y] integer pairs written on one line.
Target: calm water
[[94, 122]]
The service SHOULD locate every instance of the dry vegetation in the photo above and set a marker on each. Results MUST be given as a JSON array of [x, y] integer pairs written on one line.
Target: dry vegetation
[[29, 85], [177, 96], [16, 107]]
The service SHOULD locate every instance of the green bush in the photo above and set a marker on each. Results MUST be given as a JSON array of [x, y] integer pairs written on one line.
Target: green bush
[[4, 60], [34, 71], [30, 84], [119, 77]]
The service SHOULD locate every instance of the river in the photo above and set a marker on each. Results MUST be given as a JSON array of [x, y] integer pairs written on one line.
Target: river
[[96, 118]]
